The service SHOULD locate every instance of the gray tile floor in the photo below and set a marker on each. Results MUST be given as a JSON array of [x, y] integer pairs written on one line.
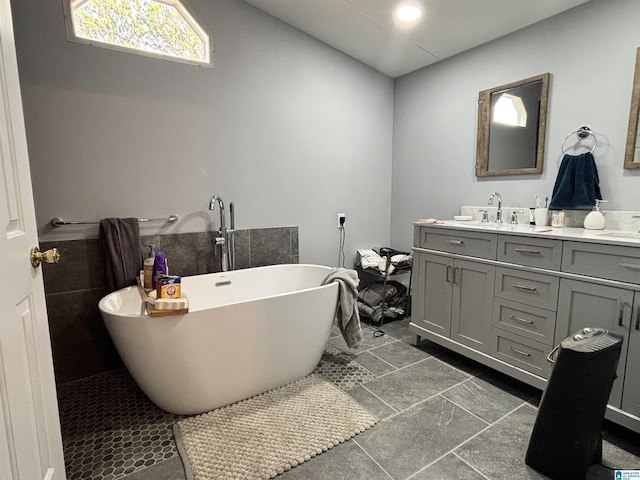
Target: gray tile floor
[[442, 416]]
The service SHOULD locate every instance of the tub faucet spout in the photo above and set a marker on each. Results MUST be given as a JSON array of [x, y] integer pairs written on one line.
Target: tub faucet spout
[[212, 203], [499, 211], [222, 238]]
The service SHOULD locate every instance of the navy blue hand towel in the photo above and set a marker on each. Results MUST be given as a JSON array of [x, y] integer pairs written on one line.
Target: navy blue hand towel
[[577, 184]]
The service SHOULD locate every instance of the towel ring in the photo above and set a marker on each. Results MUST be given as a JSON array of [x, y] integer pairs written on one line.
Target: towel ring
[[582, 132]]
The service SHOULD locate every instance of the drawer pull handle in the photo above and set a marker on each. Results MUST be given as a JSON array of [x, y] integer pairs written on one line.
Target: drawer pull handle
[[454, 242], [630, 265], [524, 287], [527, 252], [551, 357], [519, 352], [448, 280], [621, 315], [523, 320], [455, 269]]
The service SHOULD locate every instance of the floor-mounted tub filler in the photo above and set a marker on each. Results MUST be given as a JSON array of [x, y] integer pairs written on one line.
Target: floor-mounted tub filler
[[247, 331]]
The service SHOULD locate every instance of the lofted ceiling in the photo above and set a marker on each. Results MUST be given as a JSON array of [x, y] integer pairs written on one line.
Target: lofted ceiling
[[366, 30]]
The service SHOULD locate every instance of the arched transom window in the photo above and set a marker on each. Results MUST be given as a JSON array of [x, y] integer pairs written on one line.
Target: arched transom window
[[157, 28]]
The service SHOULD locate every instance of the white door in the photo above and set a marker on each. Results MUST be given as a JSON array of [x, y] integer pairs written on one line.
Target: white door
[[30, 443]]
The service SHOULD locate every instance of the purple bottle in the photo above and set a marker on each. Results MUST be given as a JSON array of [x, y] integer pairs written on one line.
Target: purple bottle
[[159, 267]]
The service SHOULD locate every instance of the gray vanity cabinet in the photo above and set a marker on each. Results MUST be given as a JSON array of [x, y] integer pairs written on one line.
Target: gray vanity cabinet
[[431, 298], [531, 252], [617, 308], [612, 262], [524, 317], [585, 304], [472, 303], [631, 387], [454, 298], [506, 297]]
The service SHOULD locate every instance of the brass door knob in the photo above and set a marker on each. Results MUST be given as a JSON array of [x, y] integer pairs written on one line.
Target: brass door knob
[[49, 256]]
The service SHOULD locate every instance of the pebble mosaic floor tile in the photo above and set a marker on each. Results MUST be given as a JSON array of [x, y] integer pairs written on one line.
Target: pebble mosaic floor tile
[[110, 429], [340, 370]]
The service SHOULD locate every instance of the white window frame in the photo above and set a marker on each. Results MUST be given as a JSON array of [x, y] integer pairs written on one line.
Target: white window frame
[[179, 5]]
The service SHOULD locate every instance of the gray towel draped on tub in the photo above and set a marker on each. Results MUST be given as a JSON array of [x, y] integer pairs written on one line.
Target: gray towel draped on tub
[[121, 251], [347, 313]]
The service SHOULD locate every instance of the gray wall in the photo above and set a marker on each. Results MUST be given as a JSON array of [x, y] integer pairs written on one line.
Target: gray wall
[[590, 53], [287, 128], [294, 132]]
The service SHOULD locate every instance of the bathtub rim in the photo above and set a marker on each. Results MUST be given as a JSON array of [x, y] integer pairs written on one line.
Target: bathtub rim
[[102, 303]]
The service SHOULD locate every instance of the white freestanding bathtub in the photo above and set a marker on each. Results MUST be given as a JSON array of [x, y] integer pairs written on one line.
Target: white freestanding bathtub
[[247, 331]]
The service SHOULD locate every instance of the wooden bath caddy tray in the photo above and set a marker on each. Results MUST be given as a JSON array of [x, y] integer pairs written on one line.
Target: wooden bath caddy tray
[[154, 312]]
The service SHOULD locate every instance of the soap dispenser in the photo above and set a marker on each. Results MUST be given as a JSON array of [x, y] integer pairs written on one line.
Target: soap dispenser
[[148, 268], [595, 219], [159, 267]]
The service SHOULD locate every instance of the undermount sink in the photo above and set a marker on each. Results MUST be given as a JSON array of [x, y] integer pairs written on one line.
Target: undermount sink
[[468, 222], [620, 234]]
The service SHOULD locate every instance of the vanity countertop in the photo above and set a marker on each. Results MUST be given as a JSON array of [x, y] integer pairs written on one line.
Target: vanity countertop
[[609, 237]]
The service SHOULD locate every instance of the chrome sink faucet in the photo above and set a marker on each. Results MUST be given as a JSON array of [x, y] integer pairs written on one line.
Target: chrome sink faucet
[[514, 216], [499, 211]]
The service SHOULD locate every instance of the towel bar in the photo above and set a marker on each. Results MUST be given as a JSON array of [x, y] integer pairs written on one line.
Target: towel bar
[[58, 222]]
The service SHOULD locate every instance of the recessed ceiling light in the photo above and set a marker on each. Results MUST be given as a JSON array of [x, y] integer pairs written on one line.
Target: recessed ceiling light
[[408, 12]]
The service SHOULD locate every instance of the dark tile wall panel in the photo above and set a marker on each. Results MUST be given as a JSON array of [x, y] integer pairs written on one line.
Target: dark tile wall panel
[[80, 266], [293, 231], [189, 253], [270, 246], [80, 342], [242, 249], [74, 316], [84, 359]]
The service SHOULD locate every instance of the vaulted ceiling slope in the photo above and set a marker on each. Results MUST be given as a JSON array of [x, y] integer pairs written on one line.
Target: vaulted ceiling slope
[[366, 29]]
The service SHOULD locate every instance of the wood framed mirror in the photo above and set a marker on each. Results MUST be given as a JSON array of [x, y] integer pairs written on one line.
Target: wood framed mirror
[[632, 151], [512, 123]]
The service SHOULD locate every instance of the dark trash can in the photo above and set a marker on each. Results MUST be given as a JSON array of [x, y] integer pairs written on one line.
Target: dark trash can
[[567, 435]]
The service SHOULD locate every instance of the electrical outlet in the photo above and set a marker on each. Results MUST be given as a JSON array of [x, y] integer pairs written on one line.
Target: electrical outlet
[[342, 217]]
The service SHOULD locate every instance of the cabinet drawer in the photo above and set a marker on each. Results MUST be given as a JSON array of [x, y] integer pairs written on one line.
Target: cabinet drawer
[[521, 352], [604, 261], [531, 322], [481, 245], [530, 288], [532, 252]]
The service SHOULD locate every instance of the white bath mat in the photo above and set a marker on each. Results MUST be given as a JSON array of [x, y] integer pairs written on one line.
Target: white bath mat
[[268, 434]]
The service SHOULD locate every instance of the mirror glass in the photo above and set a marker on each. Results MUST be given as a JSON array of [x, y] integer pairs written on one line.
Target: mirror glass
[[632, 152], [512, 122]]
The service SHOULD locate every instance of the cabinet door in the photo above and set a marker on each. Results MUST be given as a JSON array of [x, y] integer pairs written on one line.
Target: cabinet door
[[631, 389], [432, 298], [472, 303], [582, 304]]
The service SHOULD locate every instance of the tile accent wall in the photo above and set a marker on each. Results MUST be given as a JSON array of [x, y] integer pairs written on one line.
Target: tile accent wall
[[80, 342]]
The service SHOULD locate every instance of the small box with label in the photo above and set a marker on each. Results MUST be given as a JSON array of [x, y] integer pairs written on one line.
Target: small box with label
[[169, 286]]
